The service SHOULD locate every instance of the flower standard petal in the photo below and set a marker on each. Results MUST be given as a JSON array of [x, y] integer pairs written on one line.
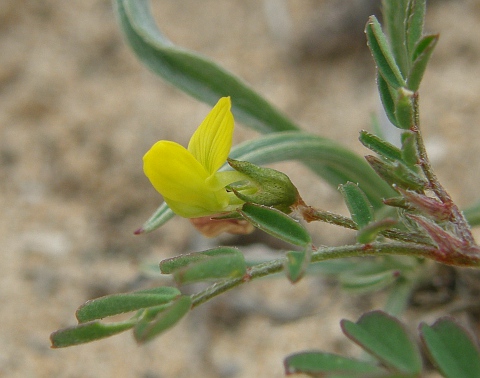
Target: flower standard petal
[[181, 179], [211, 142], [172, 170]]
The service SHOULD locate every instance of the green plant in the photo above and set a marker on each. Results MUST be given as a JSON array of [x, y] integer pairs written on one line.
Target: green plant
[[393, 352], [396, 203]]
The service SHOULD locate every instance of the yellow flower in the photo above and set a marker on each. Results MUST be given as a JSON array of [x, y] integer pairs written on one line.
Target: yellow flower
[[187, 178]]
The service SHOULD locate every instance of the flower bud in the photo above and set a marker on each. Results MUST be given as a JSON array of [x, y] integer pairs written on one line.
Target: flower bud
[[265, 186]]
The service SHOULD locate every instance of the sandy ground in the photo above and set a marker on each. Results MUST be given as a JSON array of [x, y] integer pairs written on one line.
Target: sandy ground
[[77, 112]]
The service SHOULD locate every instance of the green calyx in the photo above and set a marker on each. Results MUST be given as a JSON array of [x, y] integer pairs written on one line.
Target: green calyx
[[265, 186]]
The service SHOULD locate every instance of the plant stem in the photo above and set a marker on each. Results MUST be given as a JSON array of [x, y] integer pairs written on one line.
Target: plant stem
[[461, 225], [323, 254], [310, 214]]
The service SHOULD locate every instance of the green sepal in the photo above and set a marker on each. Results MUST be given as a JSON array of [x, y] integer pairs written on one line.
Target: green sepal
[[380, 146], [404, 113], [272, 188], [154, 322], [451, 348], [357, 202], [422, 56], [321, 364], [115, 304], [276, 223], [87, 332], [386, 338], [382, 54]]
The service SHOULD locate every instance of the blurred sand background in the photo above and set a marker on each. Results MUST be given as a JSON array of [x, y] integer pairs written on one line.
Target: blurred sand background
[[77, 113]]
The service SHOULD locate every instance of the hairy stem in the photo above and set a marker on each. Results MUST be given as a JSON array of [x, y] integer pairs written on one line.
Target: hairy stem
[[461, 225], [310, 214], [323, 254]]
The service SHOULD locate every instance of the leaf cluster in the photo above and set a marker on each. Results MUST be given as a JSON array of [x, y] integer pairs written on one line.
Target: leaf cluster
[[393, 352]]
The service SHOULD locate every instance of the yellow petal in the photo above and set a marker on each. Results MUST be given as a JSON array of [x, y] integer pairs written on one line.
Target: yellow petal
[[212, 141], [181, 179], [188, 210]]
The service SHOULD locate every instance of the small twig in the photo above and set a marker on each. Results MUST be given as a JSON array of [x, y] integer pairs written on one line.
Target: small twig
[[310, 214], [323, 254], [461, 225]]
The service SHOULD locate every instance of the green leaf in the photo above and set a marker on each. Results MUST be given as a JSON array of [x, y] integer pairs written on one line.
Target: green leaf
[[382, 54], [422, 56], [296, 264], [380, 146], [451, 349], [357, 202], [385, 337], [424, 45], [87, 332], [395, 17], [397, 174], [404, 108], [276, 223], [367, 281], [322, 364], [161, 216], [409, 150], [414, 23], [369, 233], [146, 329], [192, 73], [399, 296], [170, 266], [214, 264], [386, 97], [115, 304], [369, 275]]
